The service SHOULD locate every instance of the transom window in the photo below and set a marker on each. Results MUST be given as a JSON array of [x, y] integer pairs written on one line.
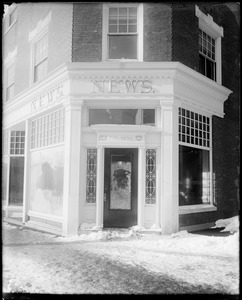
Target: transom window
[[40, 58], [17, 142], [10, 83], [122, 116], [48, 130], [194, 128], [207, 63]]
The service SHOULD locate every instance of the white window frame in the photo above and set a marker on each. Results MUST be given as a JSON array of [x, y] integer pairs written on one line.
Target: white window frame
[[106, 7], [196, 208], [34, 36], [12, 65], [8, 12], [9, 62], [44, 33], [207, 25]]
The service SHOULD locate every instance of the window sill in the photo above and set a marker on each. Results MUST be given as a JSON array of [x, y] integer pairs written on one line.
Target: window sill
[[192, 209], [7, 30]]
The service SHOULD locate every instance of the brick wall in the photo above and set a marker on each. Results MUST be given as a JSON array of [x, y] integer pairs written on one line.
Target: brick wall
[[198, 218], [87, 32], [225, 133], [185, 35], [226, 130], [157, 32], [59, 38]]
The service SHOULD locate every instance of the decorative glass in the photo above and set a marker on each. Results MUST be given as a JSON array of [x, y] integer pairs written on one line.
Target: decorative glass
[[91, 175], [150, 194]]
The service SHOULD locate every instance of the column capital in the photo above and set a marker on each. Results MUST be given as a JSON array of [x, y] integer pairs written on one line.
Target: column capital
[[170, 103], [73, 104]]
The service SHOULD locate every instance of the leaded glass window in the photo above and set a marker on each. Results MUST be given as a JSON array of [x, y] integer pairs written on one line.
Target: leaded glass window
[[91, 175], [150, 188]]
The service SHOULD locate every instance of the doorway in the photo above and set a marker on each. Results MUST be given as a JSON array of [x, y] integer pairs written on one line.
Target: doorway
[[120, 187]]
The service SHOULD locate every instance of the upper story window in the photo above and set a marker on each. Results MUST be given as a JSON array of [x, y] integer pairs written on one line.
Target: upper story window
[[123, 32], [210, 35], [10, 82], [207, 62], [40, 58], [39, 40], [10, 17]]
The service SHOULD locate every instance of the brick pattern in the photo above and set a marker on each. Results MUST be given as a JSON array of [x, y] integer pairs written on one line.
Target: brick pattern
[[198, 218], [185, 33], [87, 32], [157, 32]]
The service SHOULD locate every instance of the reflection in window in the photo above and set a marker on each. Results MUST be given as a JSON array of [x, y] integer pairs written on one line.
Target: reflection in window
[[122, 116], [194, 176]]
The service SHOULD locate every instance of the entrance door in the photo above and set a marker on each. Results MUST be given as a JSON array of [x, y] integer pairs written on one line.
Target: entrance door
[[120, 187]]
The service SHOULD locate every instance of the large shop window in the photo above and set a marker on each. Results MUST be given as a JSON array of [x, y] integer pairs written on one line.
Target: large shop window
[[16, 177], [16, 181], [122, 116], [194, 158], [194, 176], [48, 130]]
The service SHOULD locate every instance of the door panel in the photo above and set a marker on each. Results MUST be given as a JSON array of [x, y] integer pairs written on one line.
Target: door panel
[[120, 187]]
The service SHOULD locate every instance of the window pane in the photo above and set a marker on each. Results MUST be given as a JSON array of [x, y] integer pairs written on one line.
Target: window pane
[[194, 176], [121, 116], [149, 116], [122, 46], [202, 64]]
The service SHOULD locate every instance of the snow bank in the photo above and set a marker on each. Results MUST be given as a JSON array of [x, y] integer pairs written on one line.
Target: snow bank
[[104, 235], [230, 224]]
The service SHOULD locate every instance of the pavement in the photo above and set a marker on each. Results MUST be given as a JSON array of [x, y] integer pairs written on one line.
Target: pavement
[[36, 262]]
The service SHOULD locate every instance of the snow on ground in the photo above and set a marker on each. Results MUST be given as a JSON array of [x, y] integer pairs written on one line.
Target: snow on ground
[[122, 261], [230, 224]]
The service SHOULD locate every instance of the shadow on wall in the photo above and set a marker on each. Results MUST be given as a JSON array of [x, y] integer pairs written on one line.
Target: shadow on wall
[[51, 179]]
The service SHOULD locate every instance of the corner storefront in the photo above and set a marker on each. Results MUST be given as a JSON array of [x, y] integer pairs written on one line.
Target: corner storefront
[[111, 145]]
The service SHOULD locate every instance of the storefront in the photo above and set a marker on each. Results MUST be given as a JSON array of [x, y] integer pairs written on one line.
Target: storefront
[[112, 145]]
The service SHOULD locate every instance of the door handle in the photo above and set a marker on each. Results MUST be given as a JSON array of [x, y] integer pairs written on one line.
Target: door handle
[[104, 197]]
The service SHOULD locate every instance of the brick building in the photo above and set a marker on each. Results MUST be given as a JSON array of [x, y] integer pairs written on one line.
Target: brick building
[[120, 114]]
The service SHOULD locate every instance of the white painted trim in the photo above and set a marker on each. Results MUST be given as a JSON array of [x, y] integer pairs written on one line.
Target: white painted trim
[[141, 185], [207, 25], [13, 208], [40, 27], [206, 22], [193, 209], [197, 227], [45, 216], [43, 227]]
